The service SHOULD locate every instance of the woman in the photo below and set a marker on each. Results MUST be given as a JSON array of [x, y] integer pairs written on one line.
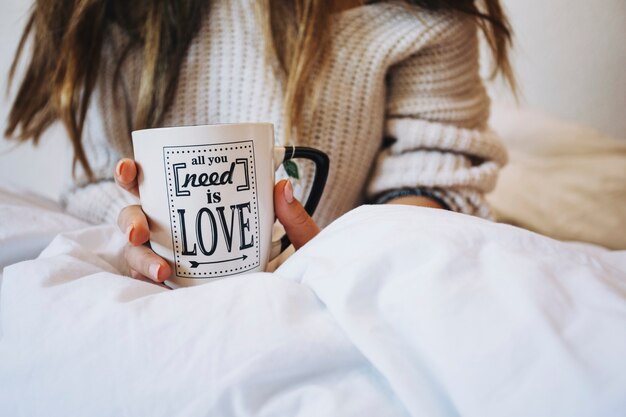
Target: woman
[[389, 90]]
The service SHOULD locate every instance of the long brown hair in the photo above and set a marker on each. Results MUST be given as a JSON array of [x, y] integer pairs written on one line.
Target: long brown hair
[[67, 38]]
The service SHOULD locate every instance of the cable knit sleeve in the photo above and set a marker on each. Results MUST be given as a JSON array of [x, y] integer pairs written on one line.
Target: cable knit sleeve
[[99, 202], [436, 123]]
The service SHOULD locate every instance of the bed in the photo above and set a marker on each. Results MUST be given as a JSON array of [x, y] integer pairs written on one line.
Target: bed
[[390, 311]]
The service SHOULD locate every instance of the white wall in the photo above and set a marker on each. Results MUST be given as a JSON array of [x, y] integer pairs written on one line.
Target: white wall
[[571, 63], [43, 169], [571, 59]]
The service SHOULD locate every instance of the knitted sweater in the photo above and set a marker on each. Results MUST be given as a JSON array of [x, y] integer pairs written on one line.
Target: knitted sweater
[[408, 78]]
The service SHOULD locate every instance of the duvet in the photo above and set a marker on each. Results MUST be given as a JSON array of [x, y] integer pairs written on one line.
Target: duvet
[[390, 311]]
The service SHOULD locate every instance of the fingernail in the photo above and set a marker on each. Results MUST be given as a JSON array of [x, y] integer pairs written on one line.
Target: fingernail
[[154, 271], [288, 192], [129, 231], [118, 168]]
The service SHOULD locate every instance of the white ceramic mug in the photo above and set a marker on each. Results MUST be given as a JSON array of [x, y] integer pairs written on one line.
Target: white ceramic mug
[[207, 192]]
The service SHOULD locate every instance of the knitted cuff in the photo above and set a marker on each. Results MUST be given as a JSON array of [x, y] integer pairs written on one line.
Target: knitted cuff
[[99, 202], [404, 192]]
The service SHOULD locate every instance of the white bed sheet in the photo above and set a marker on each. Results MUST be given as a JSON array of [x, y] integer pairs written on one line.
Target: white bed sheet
[[28, 223], [391, 311]]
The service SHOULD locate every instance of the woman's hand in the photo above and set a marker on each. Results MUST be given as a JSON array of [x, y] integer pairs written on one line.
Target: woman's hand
[[144, 263]]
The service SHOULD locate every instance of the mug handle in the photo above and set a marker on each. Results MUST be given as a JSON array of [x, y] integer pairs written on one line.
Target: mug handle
[[320, 159]]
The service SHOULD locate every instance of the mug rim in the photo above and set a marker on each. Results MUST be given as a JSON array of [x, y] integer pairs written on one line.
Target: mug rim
[[162, 128]]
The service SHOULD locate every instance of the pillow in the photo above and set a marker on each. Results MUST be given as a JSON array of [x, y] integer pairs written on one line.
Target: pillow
[[563, 180]]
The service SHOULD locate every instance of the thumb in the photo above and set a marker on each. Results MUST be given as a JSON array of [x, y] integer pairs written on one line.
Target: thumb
[[300, 227]]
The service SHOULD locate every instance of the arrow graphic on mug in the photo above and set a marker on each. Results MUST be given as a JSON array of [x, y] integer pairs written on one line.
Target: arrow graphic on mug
[[195, 264]]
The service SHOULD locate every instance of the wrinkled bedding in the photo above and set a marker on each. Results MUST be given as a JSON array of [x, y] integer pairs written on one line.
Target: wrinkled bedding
[[390, 311], [28, 223]]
